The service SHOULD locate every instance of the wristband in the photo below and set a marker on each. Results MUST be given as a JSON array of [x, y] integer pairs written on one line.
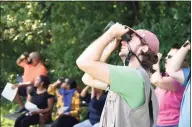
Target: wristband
[[186, 44]]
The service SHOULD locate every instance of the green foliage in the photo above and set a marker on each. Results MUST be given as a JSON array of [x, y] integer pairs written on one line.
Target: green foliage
[[62, 30], [6, 108]]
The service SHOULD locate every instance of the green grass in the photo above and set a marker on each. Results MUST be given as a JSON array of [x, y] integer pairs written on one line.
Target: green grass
[[6, 108]]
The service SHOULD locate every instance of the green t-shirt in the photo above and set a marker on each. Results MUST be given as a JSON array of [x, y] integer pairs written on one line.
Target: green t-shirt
[[129, 83]]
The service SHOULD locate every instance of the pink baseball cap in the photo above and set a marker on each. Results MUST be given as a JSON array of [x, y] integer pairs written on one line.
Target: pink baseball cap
[[148, 38]]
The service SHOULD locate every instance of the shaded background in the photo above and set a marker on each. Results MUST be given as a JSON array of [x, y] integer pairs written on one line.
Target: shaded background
[[62, 30]]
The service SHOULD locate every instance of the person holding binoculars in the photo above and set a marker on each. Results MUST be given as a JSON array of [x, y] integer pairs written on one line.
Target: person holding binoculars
[[131, 101], [32, 68], [68, 102], [182, 75]]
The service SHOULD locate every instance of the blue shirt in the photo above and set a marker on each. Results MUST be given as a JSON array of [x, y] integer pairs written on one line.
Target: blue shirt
[[185, 118]]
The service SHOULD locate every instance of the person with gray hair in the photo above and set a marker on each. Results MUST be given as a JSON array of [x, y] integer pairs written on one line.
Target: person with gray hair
[[33, 67]]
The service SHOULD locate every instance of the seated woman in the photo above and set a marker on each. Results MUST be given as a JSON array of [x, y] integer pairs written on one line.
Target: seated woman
[[96, 103], [68, 103], [44, 101]]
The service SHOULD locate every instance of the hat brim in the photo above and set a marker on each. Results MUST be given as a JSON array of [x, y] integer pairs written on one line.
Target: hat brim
[[131, 31]]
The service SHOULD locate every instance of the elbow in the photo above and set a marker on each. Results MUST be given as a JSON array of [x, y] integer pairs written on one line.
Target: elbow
[[17, 62], [83, 64], [170, 71], [84, 80], [153, 81], [80, 63]]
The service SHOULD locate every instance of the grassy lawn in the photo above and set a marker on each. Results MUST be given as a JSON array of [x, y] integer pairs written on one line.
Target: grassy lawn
[[6, 108]]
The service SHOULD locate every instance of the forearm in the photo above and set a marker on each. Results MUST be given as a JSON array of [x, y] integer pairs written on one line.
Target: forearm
[[52, 88], [92, 92], [155, 77], [84, 91], [105, 55], [90, 81], [43, 111], [87, 79], [20, 59], [94, 51], [177, 61], [25, 84]]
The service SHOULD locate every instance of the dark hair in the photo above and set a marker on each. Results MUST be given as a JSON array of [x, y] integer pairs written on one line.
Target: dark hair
[[72, 83], [45, 80], [149, 58]]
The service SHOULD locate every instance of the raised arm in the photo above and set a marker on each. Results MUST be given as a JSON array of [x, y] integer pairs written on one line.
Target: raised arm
[[89, 60], [21, 59], [166, 83], [90, 81], [84, 91], [52, 87], [173, 67]]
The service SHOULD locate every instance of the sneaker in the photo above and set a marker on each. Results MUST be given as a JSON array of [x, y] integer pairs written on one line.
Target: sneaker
[[20, 110]]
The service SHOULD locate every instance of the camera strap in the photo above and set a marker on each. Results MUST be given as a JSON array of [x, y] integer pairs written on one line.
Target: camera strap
[[130, 54]]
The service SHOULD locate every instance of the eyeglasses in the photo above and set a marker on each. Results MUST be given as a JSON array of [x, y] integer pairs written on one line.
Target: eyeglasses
[[169, 56]]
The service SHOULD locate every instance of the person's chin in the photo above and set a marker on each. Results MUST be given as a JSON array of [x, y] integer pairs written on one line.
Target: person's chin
[[122, 54]]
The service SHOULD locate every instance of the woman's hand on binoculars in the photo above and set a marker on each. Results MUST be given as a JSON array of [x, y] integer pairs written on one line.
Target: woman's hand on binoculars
[[118, 30]]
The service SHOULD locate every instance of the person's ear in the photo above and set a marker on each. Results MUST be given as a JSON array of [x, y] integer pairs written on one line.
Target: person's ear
[[144, 48]]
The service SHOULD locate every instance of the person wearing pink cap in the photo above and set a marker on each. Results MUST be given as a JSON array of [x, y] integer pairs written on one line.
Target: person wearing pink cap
[[131, 101]]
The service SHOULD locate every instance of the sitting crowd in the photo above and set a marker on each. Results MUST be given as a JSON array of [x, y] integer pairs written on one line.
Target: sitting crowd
[[37, 88]]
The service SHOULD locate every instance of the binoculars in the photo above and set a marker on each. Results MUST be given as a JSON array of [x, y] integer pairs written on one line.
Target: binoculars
[[126, 37], [61, 79], [26, 54]]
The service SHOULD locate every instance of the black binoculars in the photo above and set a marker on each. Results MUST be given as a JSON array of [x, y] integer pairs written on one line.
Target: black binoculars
[[126, 37], [26, 54], [61, 79]]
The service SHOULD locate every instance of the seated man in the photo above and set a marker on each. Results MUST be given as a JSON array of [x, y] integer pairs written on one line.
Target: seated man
[[68, 103], [44, 101], [32, 68], [96, 103]]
